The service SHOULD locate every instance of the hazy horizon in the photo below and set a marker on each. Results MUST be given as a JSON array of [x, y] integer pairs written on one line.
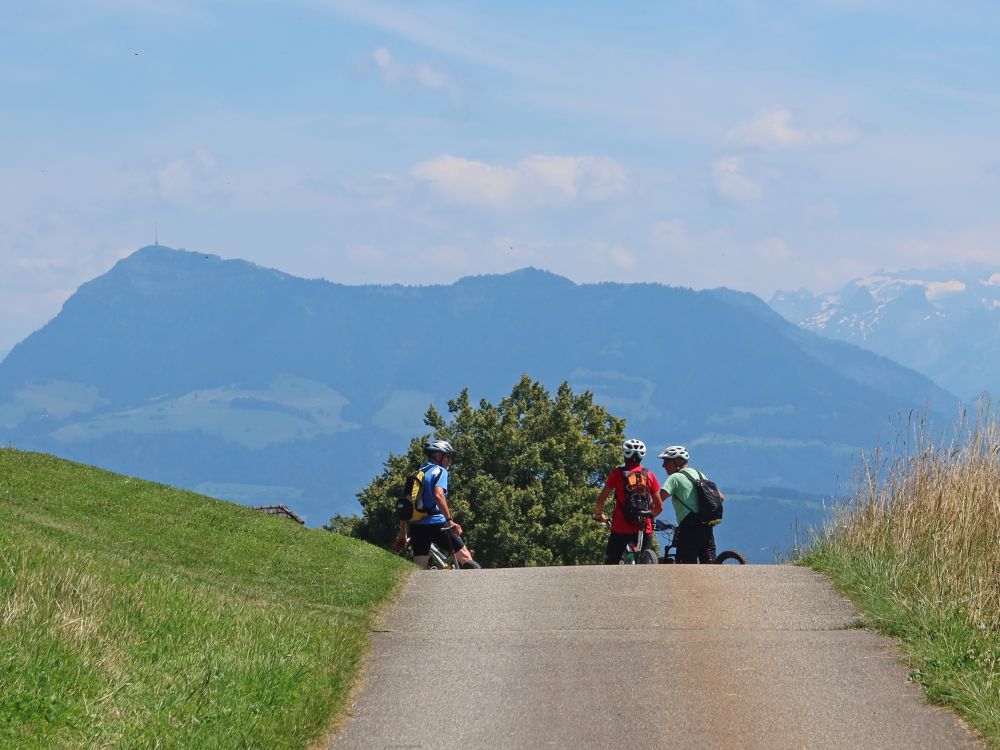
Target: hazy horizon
[[7, 346]]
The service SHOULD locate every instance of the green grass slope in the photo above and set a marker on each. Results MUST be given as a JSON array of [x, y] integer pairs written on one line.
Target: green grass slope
[[137, 615], [917, 551]]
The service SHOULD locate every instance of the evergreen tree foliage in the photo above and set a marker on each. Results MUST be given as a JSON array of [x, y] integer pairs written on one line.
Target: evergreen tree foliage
[[526, 476]]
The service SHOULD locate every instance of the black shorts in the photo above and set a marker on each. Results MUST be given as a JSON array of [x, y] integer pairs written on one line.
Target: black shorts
[[422, 534], [695, 541], [618, 541]]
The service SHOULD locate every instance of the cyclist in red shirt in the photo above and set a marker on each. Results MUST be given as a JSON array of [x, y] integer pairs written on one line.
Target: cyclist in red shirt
[[624, 531]]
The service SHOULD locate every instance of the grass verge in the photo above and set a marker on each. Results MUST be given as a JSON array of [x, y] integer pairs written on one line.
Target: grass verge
[[137, 615], [918, 551]]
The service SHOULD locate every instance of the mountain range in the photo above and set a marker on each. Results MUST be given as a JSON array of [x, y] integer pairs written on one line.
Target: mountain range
[[249, 384], [943, 322]]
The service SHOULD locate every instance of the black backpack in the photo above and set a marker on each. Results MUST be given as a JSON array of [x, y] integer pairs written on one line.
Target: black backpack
[[709, 510], [408, 505], [637, 498]]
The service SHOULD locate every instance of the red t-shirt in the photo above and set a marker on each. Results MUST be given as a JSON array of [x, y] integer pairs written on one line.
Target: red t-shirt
[[617, 480]]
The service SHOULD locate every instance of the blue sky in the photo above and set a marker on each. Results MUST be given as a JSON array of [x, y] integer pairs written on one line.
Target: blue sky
[[755, 145]]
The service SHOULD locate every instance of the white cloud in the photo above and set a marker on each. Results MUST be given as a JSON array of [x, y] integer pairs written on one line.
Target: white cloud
[[774, 129], [425, 75], [623, 257], [774, 251], [596, 259], [444, 32], [174, 179], [731, 183], [537, 180], [197, 180], [182, 10], [394, 72], [468, 181], [39, 264], [181, 177]]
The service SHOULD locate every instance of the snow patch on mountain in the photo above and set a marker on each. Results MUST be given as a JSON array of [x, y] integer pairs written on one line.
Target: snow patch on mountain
[[942, 321], [886, 287]]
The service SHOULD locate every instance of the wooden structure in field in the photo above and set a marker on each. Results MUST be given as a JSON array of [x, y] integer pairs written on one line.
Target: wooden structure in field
[[279, 510]]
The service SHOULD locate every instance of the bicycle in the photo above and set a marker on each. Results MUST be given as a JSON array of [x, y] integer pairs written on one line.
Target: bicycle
[[438, 560], [669, 530], [634, 554]]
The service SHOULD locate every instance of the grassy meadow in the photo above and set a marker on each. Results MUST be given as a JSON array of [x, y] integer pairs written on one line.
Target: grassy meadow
[[137, 615], [918, 551]]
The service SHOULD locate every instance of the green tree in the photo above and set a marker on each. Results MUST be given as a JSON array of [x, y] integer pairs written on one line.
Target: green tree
[[527, 474], [345, 525]]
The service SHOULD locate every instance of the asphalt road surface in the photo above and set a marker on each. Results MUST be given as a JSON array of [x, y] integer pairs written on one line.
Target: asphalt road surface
[[636, 657]]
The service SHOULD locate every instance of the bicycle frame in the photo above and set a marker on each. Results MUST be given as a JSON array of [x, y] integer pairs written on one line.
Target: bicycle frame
[[633, 549], [633, 553], [438, 559], [667, 530]]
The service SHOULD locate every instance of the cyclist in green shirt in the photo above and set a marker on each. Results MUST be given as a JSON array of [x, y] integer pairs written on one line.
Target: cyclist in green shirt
[[695, 540]]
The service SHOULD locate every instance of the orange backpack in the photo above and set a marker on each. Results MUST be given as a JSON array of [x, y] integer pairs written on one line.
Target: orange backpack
[[638, 499]]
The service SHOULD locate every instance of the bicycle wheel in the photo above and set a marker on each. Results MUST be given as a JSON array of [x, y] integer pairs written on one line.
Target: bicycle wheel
[[471, 565], [648, 557], [730, 556]]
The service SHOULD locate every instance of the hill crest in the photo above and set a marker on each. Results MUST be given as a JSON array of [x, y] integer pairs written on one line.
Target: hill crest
[[255, 385]]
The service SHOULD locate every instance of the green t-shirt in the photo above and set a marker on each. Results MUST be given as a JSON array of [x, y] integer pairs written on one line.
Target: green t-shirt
[[682, 493]]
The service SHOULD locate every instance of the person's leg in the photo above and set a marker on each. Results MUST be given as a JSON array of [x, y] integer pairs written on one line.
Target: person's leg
[[616, 547], [686, 540], [420, 542], [700, 535], [452, 541], [707, 554]]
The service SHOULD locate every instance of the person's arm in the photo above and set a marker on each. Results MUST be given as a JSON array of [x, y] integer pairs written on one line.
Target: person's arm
[[601, 499], [442, 503], [664, 492], [401, 539], [654, 495]]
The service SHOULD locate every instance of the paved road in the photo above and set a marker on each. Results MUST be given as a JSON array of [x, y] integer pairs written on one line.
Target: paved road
[[636, 657]]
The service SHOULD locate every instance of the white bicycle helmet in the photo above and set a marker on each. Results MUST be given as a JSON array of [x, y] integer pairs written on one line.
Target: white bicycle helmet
[[675, 451], [439, 446], [632, 447]]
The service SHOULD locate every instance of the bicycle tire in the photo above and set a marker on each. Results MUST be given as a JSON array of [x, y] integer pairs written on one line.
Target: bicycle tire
[[730, 556], [648, 557], [471, 565]]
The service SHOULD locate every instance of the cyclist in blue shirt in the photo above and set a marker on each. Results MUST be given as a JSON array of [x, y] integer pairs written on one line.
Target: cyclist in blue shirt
[[438, 526]]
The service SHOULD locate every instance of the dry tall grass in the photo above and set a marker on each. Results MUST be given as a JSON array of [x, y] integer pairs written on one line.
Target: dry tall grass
[[918, 550], [936, 511]]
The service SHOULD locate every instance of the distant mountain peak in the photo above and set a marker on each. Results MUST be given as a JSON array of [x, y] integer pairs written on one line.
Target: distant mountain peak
[[942, 321], [527, 276], [153, 260], [162, 252]]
